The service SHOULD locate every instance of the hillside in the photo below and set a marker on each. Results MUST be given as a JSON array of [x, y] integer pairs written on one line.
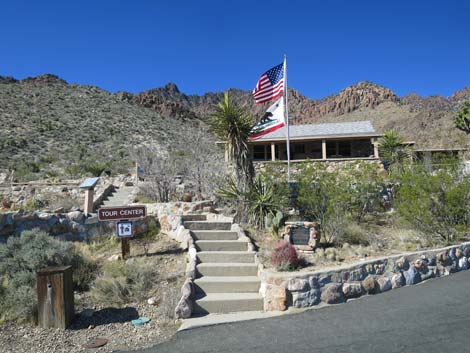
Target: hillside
[[49, 125], [426, 120]]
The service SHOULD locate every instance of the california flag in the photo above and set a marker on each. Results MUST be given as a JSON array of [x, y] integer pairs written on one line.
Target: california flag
[[272, 120]]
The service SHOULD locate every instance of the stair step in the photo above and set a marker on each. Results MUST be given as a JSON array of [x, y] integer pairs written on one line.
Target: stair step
[[228, 302], [226, 256], [221, 245], [214, 235], [226, 284], [194, 217], [205, 225], [227, 269]]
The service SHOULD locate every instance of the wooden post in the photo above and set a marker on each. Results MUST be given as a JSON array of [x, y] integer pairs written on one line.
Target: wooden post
[[125, 248], [88, 208], [136, 172], [55, 297], [273, 151], [323, 150]]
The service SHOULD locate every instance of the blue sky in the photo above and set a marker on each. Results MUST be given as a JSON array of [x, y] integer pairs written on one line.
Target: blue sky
[[202, 46]]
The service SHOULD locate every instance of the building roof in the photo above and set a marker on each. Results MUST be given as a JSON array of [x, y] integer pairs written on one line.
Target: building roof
[[327, 130]]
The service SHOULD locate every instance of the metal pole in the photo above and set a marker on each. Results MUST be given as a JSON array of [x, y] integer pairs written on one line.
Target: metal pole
[[286, 117]]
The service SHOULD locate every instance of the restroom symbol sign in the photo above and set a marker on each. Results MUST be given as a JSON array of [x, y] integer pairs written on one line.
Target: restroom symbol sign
[[124, 229]]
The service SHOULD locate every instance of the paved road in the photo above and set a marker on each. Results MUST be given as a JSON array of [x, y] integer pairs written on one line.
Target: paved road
[[431, 317]]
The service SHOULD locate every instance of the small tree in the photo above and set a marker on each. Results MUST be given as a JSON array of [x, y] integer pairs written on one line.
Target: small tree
[[462, 118], [232, 124]]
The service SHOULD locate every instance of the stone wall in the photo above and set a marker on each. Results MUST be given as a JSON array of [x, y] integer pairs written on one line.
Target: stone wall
[[74, 226], [332, 286], [296, 166]]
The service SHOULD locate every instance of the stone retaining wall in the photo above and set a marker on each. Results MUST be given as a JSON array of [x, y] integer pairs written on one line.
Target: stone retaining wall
[[74, 226], [261, 166], [336, 285]]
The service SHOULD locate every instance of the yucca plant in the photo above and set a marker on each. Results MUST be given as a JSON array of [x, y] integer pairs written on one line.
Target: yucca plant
[[462, 118], [393, 149], [232, 124]]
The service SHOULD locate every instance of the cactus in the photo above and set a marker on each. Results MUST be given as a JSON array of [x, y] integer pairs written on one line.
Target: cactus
[[273, 223]]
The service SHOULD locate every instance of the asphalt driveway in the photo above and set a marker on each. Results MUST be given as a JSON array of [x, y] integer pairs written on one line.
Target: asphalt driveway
[[431, 317]]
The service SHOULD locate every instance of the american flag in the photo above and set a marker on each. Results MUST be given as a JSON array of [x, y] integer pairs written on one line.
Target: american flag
[[270, 85]]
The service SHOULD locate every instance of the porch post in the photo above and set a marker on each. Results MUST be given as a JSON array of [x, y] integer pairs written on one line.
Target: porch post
[[376, 147], [273, 151], [323, 149]]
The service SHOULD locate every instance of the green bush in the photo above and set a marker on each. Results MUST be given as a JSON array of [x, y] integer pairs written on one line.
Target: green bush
[[437, 203], [21, 257]]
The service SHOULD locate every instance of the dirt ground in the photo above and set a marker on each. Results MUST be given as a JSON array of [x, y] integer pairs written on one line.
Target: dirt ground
[[112, 323]]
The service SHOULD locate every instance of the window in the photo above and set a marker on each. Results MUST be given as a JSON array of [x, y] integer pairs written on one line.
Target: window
[[344, 148], [299, 149], [258, 153]]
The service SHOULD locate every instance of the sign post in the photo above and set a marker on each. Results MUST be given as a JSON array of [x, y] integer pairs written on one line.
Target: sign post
[[124, 226]]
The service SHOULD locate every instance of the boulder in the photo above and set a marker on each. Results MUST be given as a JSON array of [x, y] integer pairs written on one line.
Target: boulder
[[298, 285], [352, 290], [184, 309], [370, 285], [412, 276], [398, 280], [332, 294], [384, 284], [275, 297], [306, 299], [76, 216], [463, 263]]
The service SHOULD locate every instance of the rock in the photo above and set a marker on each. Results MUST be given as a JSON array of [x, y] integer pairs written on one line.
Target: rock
[[398, 280], [152, 301], [187, 289], [332, 294], [59, 210], [115, 257], [443, 258], [87, 313], [184, 308], [313, 282], [384, 284], [463, 263], [306, 299], [76, 216], [401, 264], [298, 285], [275, 298], [370, 285], [352, 290], [412, 276], [128, 183], [379, 269]]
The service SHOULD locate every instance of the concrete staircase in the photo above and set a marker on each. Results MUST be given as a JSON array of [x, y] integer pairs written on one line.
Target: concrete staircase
[[120, 197], [227, 275]]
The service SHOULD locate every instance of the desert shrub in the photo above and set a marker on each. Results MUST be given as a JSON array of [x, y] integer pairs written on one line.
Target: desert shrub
[[124, 282], [436, 203], [149, 235], [21, 257], [355, 235], [322, 197], [284, 256]]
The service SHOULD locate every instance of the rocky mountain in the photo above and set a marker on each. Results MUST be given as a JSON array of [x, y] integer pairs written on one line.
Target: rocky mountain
[[425, 120], [48, 124]]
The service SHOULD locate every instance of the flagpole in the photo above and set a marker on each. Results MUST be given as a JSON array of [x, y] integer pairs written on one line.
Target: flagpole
[[286, 117]]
